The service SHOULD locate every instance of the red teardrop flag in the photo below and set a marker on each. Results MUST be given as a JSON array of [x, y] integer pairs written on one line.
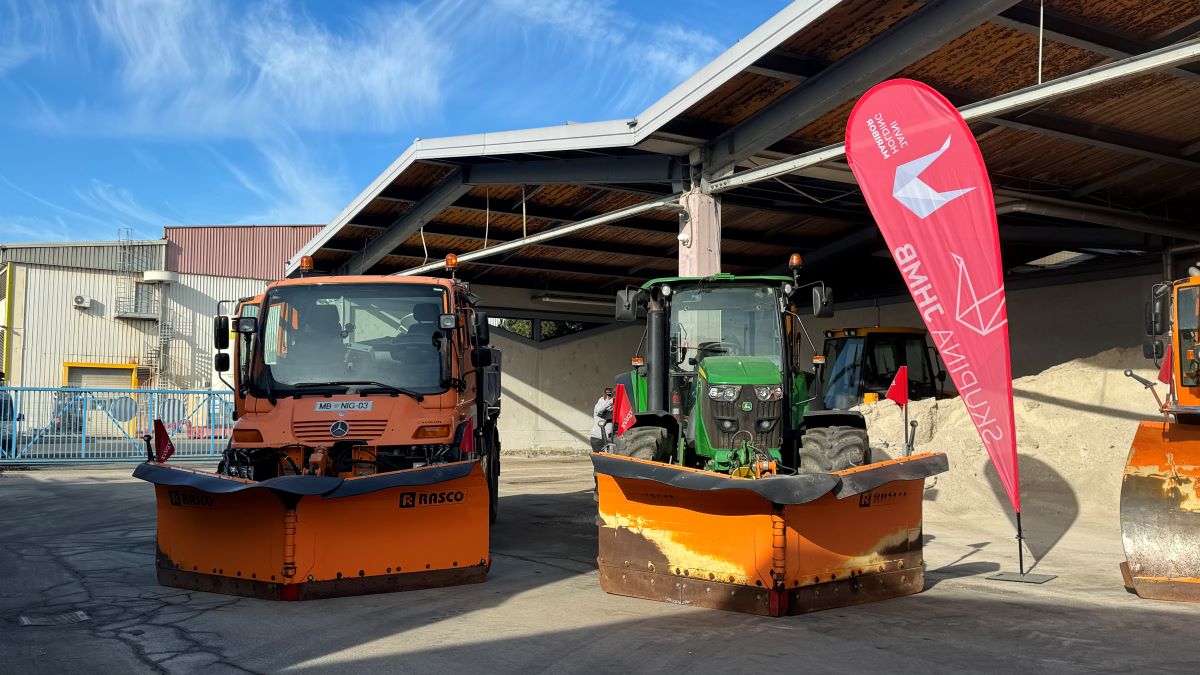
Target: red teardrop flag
[[898, 389], [163, 447], [925, 182], [623, 409]]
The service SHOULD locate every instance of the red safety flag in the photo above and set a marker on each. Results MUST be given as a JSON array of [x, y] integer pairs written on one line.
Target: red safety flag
[[1164, 373], [622, 409], [925, 181], [467, 444], [163, 447], [898, 389]]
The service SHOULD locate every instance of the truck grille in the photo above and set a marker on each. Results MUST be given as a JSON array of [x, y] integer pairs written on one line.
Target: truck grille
[[746, 420], [317, 432]]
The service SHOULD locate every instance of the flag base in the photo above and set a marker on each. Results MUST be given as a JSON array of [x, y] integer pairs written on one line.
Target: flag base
[[1027, 578]]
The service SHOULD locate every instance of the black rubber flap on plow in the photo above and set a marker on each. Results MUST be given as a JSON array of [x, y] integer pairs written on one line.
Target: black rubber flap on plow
[[329, 487], [799, 489], [870, 478]]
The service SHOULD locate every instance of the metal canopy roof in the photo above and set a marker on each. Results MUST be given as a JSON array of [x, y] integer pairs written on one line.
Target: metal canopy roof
[[1111, 170]]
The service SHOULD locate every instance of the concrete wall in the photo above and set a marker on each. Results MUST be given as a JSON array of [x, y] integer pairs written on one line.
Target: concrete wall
[[549, 390], [1047, 325]]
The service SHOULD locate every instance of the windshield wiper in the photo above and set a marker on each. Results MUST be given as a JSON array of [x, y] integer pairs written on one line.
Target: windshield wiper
[[385, 387]]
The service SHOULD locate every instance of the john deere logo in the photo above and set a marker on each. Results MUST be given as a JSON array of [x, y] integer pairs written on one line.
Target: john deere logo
[[339, 429], [747, 406]]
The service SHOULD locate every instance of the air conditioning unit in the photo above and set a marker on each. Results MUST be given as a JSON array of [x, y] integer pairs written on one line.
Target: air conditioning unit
[[82, 302]]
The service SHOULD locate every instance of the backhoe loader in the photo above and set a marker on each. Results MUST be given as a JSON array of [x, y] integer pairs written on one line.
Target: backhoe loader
[[1160, 490], [727, 487], [365, 453]]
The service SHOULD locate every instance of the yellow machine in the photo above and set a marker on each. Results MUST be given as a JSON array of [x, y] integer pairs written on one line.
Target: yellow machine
[[1160, 491], [859, 364], [365, 455]]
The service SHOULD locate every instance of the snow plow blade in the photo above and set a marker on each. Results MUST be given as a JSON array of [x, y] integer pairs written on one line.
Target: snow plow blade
[[774, 546], [1160, 512], [308, 537]]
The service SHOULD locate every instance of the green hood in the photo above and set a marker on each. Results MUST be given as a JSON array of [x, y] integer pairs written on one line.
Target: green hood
[[740, 370]]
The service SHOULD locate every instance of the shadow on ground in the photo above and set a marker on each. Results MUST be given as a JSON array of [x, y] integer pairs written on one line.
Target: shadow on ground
[[1049, 504]]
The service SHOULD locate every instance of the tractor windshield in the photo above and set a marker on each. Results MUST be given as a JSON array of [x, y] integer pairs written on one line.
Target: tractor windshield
[[719, 320], [318, 337]]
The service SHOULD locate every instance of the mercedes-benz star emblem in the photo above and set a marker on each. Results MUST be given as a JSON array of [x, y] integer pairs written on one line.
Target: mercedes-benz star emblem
[[339, 429]]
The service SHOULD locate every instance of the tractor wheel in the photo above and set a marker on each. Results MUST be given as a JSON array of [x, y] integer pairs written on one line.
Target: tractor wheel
[[644, 443], [825, 449]]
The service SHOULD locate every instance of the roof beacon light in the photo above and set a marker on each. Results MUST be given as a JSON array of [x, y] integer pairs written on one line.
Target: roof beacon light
[[794, 262], [306, 263], [451, 262]]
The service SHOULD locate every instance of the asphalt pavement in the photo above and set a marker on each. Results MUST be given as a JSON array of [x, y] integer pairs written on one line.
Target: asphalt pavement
[[81, 540]]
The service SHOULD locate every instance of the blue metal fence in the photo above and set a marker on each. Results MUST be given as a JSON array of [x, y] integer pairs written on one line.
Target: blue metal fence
[[44, 425]]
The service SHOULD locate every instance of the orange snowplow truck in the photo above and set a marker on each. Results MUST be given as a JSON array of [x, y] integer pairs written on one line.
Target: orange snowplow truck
[[365, 453]]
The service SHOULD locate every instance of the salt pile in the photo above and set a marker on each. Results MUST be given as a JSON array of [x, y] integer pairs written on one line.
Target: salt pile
[[1074, 425]]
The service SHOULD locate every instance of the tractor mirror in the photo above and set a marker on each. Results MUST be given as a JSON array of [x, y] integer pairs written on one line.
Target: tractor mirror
[[822, 302], [483, 329], [1152, 348], [627, 305], [221, 362], [221, 332], [247, 325], [1155, 325]]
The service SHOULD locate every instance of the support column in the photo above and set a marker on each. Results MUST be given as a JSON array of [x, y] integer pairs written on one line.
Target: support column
[[700, 236]]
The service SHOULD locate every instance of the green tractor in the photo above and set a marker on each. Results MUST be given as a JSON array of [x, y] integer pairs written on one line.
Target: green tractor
[[723, 386]]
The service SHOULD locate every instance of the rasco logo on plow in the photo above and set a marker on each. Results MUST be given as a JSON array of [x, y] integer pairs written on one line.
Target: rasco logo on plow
[[410, 499], [879, 498], [188, 499]]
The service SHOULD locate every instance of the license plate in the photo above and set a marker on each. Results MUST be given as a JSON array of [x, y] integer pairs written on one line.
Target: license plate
[[338, 406]]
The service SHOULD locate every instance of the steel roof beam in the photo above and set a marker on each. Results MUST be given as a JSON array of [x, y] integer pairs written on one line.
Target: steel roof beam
[[781, 65], [407, 224], [901, 45], [1082, 35], [630, 169], [521, 263]]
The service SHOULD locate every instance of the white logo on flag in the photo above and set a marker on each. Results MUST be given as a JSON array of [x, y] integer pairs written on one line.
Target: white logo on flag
[[914, 193], [980, 314]]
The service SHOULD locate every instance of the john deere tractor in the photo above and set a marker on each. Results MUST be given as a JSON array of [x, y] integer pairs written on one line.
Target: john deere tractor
[[723, 384]]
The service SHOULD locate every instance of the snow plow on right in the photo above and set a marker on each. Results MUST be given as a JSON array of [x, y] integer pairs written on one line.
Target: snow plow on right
[[1160, 490], [725, 489]]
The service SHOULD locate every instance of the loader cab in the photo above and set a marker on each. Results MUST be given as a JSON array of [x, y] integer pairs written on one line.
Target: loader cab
[[861, 362]]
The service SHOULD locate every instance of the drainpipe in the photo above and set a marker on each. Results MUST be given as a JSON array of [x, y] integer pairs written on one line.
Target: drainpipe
[[1100, 216]]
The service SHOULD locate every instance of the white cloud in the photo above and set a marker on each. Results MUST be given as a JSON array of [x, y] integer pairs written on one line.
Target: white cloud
[[118, 206], [26, 32], [195, 67]]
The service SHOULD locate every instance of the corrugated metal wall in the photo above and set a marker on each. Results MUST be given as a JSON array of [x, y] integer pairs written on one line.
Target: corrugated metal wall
[[245, 251], [191, 304], [88, 255], [48, 330]]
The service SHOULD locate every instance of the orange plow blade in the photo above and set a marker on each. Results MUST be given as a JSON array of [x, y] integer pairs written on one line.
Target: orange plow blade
[[773, 546], [1160, 512], [307, 537]]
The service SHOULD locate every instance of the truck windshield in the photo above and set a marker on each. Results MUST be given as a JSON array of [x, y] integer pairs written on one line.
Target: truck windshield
[[320, 336], [1187, 323], [718, 320]]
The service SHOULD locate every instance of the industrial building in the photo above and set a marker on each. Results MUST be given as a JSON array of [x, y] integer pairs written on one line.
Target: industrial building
[[1093, 186], [130, 314]]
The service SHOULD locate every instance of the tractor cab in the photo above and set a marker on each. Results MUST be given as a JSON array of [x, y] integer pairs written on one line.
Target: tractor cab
[[725, 382], [860, 363]]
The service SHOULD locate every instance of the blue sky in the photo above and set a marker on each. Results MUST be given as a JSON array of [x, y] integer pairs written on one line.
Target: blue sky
[[140, 113]]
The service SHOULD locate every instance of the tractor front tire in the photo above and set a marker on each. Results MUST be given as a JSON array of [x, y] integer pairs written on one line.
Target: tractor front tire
[[826, 449], [644, 443]]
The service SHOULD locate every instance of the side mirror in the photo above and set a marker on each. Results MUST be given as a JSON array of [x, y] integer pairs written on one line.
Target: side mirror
[[448, 321], [221, 362], [1155, 325], [627, 302], [1152, 348], [822, 302], [247, 325], [483, 357], [483, 330], [221, 332]]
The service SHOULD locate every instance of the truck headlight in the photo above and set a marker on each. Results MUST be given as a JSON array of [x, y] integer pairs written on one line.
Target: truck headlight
[[724, 392], [772, 392], [727, 425]]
